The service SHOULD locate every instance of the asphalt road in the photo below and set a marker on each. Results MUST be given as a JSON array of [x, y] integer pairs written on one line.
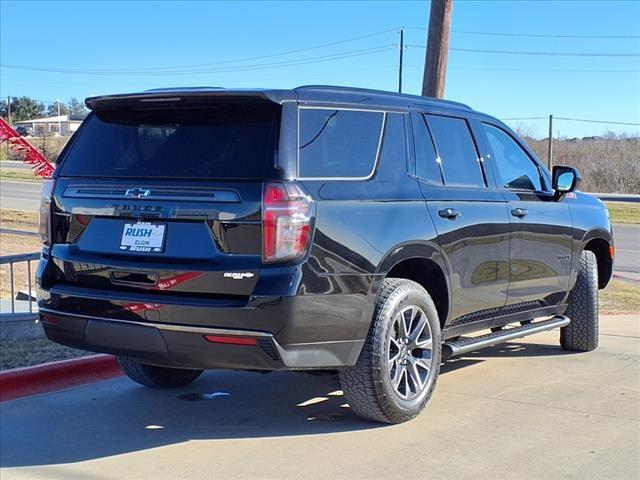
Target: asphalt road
[[523, 410], [25, 196], [627, 242], [15, 164]]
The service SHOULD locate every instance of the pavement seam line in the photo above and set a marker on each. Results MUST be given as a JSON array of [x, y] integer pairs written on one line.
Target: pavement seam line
[[488, 397]]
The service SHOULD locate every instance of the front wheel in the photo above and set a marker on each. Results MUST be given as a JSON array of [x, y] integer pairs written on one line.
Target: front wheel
[[397, 369], [581, 335]]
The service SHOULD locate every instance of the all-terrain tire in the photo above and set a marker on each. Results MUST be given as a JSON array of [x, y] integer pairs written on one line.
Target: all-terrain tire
[[157, 377], [367, 386], [581, 335]]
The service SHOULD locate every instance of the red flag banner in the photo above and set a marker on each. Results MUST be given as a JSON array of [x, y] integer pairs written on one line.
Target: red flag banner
[[29, 154]]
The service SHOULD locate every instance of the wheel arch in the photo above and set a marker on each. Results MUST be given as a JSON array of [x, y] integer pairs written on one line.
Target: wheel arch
[[422, 263], [600, 243]]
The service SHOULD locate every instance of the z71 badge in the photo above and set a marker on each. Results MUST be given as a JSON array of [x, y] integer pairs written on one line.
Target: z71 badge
[[238, 275]]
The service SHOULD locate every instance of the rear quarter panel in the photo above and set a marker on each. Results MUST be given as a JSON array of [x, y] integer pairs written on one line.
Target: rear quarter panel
[[362, 230]]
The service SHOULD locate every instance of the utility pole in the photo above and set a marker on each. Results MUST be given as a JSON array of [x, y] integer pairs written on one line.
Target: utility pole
[[435, 63], [400, 60], [550, 153]]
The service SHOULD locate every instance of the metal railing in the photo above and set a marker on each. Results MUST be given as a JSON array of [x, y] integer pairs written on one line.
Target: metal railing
[[12, 261]]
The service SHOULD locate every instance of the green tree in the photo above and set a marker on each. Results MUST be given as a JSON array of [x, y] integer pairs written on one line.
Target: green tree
[[52, 109], [76, 107], [26, 108]]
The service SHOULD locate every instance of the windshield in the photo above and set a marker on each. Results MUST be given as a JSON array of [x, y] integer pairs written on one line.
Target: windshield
[[226, 141]]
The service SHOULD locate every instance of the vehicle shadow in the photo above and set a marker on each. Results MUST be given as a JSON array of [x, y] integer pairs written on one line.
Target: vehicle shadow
[[118, 416], [513, 349]]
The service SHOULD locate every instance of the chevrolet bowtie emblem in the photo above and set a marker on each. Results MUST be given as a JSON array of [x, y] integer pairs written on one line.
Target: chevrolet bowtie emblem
[[137, 192]]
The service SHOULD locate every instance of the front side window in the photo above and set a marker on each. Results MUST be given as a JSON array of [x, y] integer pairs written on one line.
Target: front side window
[[515, 168], [337, 143], [457, 152]]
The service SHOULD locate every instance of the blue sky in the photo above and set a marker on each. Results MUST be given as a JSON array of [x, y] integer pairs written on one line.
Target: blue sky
[[111, 38]]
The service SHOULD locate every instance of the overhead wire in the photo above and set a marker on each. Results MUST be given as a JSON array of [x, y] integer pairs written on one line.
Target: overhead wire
[[239, 68], [534, 53], [536, 35]]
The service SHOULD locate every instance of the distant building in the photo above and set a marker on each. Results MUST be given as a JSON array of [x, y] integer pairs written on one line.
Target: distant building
[[58, 125]]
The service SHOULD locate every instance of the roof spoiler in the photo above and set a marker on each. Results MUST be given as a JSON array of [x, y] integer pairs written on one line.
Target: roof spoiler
[[176, 96]]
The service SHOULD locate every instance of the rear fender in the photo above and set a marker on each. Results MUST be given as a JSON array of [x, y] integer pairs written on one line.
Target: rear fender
[[407, 251]]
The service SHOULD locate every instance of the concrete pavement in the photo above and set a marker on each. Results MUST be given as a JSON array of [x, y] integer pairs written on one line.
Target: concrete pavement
[[523, 410]]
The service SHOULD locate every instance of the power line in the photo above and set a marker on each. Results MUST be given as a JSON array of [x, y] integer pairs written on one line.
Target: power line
[[597, 121], [239, 68], [535, 35], [14, 98], [551, 54], [555, 70], [527, 118], [250, 81], [575, 120], [222, 62], [271, 55]]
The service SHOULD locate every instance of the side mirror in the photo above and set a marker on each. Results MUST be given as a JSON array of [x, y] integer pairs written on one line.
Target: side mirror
[[565, 180]]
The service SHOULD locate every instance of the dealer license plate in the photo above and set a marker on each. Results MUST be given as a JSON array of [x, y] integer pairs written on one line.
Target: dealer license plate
[[143, 237]]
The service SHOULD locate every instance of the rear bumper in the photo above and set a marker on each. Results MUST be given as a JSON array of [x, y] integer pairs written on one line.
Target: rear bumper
[[186, 346], [300, 320]]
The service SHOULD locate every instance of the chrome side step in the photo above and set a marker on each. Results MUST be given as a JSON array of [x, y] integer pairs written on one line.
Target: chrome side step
[[469, 344]]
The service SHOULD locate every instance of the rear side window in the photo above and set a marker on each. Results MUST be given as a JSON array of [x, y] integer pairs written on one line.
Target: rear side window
[[338, 143], [515, 168], [393, 154], [457, 152], [229, 141], [427, 167]]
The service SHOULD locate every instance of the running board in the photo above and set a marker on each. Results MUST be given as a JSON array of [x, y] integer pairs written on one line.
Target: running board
[[469, 344]]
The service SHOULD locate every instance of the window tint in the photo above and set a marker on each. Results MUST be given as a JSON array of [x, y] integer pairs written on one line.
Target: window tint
[[338, 143], [225, 142], [458, 155], [427, 167], [515, 168], [393, 155]]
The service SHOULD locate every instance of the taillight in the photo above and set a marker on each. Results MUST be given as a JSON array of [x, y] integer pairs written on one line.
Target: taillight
[[286, 222], [44, 214]]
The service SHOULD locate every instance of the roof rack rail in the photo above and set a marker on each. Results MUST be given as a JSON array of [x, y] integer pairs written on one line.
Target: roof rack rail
[[382, 92]]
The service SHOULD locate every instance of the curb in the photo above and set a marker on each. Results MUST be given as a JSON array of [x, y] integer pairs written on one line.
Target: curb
[[49, 377]]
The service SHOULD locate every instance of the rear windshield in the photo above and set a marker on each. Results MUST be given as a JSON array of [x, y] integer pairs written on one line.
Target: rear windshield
[[226, 141]]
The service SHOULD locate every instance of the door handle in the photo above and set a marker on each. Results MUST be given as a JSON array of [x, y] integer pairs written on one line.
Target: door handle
[[519, 212], [450, 213]]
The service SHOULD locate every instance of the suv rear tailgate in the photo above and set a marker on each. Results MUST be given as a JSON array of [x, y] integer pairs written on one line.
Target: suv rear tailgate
[[158, 197], [208, 231]]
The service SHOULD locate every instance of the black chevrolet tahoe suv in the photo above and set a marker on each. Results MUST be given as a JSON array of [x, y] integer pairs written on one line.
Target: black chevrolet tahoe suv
[[318, 228]]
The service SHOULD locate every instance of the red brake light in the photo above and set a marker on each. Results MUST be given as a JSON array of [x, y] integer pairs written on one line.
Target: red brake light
[[286, 222], [231, 340]]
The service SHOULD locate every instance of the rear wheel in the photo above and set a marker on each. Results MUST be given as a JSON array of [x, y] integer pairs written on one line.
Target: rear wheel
[[581, 335], [396, 372], [157, 377]]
